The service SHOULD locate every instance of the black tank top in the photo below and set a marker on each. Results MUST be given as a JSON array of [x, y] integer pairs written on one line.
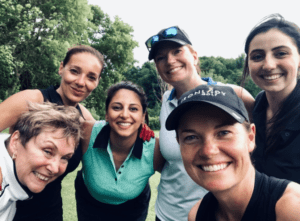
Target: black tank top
[[47, 205], [267, 191]]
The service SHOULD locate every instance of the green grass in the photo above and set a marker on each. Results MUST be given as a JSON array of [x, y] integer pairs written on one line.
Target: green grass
[[69, 202]]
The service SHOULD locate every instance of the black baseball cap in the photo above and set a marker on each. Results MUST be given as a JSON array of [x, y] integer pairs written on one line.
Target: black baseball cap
[[176, 35], [223, 97]]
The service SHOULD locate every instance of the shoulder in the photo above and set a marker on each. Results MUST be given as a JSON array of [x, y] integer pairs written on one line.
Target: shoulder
[[34, 96], [86, 113], [193, 212], [287, 207], [166, 95]]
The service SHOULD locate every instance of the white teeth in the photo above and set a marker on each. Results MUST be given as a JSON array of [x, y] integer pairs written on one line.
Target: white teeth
[[216, 167], [124, 124], [272, 77], [175, 69], [41, 176]]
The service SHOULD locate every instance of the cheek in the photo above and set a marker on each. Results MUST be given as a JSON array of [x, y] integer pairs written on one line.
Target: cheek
[[62, 168]]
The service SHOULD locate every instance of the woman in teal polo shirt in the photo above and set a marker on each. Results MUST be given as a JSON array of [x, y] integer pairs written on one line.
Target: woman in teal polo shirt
[[117, 164]]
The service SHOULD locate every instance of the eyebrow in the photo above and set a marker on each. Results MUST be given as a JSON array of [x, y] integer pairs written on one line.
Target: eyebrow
[[223, 124], [273, 49], [77, 67]]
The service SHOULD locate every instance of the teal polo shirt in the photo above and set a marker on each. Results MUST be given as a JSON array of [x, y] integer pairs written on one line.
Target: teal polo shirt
[[100, 176]]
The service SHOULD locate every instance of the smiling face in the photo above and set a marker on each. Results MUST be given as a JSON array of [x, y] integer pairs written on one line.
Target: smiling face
[[214, 147], [274, 62], [80, 76], [43, 159], [125, 114], [176, 64]]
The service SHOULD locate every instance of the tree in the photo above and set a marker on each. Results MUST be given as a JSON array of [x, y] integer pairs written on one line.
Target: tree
[[115, 41], [7, 78], [38, 33]]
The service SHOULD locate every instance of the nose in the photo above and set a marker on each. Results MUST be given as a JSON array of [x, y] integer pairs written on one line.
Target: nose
[[171, 58], [209, 148], [80, 80], [269, 63], [124, 113], [54, 166]]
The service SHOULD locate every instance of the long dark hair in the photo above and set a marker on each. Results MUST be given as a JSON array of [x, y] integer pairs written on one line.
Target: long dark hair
[[289, 109]]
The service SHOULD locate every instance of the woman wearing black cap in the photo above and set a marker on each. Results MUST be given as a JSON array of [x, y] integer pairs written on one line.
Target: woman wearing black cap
[[216, 139], [177, 63]]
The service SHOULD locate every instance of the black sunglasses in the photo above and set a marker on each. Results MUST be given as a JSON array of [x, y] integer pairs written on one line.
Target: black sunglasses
[[167, 33]]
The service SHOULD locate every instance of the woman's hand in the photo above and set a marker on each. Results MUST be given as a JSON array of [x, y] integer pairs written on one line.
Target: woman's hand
[[146, 133]]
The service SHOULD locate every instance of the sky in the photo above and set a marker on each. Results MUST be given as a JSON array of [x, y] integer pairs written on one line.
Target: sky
[[215, 27]]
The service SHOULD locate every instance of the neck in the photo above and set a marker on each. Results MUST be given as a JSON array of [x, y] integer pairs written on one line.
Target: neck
[[66, 101], [188, 85], [121, 145], [232, 203]]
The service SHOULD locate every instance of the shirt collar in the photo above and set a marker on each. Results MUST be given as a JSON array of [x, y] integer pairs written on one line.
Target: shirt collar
[[103, 138], [207, 79]]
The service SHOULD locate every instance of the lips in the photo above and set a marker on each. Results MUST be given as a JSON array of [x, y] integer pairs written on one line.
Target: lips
[[77, 91], [41, 177], [214, 167], [174, 69], [272, 77]]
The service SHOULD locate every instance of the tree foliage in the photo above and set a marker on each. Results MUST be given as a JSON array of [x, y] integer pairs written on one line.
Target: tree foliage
[[227, 71], [36, 34]]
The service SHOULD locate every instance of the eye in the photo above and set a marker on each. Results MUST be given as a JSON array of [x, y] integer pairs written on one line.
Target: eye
[[159, 58], [256, 57], [116, 108], [48, 152], [134, 109], [66, 159], [281, 54], [177, 51], [74, 71], [190, 139], [223, 133], [92, 77]]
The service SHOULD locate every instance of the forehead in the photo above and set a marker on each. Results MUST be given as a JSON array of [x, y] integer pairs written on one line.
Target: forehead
[[126, 96], [166, 46], [204, 114], [270, 39], [86, 60]]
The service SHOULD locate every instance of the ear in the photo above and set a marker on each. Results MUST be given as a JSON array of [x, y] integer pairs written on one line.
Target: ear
[[14, 143], [195, 55], [106, 118], [251, 136], [61, 67]]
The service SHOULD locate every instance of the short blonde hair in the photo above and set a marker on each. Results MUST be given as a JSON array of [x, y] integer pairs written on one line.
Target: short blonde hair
[[48, 116]]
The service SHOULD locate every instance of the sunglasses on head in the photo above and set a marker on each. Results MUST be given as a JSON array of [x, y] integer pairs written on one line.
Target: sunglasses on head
[[167, 33]]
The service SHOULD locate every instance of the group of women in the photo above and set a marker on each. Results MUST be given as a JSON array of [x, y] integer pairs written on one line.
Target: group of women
[[118, 161]]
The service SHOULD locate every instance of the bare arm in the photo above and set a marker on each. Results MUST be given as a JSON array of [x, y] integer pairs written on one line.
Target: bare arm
[[159, 160], [288, 206], [86, 114], [15, 105], [246, 97], [193, 212], [87, 128]]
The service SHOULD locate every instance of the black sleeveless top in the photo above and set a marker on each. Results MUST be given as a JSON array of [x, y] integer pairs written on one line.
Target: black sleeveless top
[[47, 205], [267, 191]]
